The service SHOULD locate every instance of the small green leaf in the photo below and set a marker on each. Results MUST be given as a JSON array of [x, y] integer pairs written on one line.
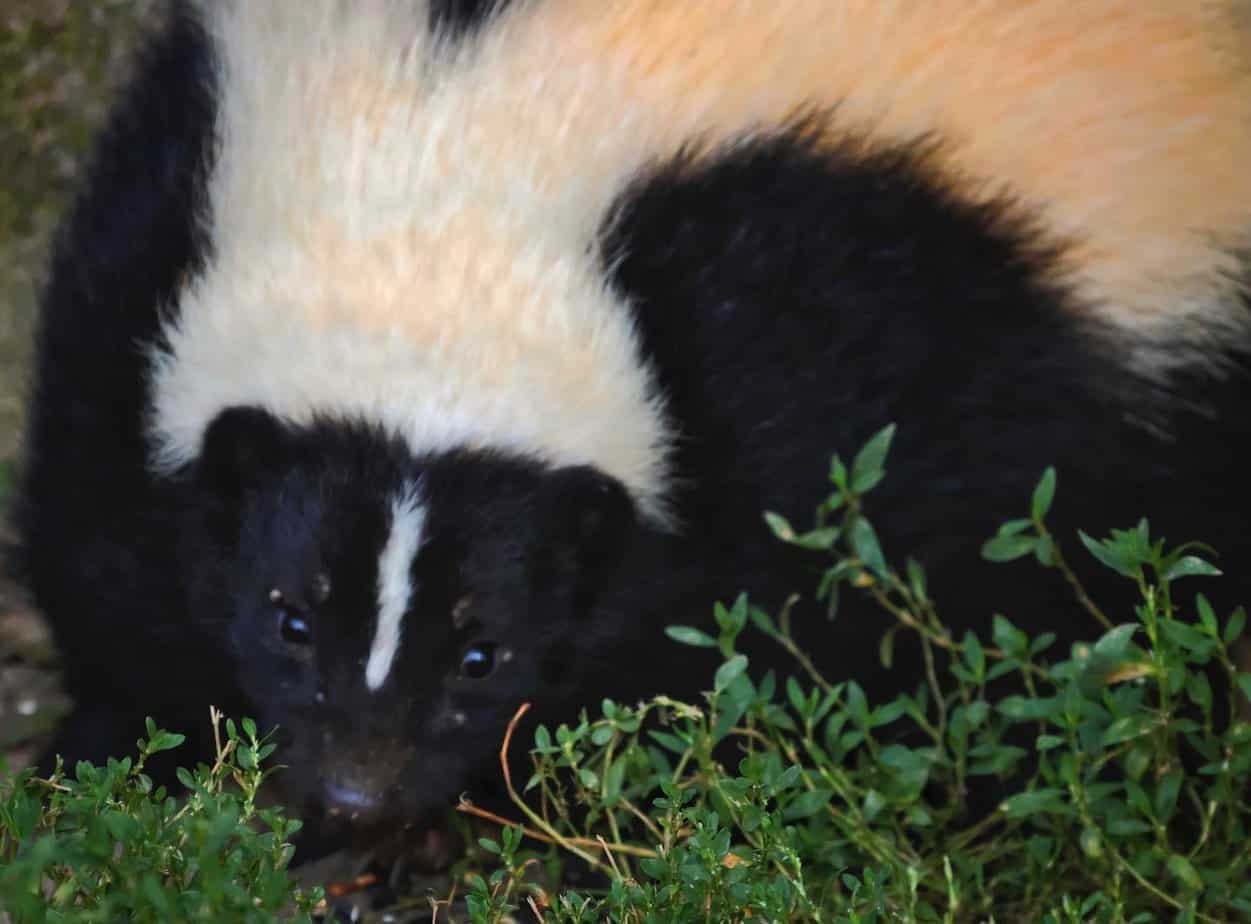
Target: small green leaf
[[1183, 635], [669, 741], [1131, 726], [858, 704], [781, 526], [1015, 527], [1091, 843], [867, 467], [165, 741], [916, 578], [654, 867], [873, 804], [1042, 642], [1111, 557], [886, 647], [1199, 690], [1113, 645], [788, 778], [1044, 493], [818, 540], [1233, 628], [1207, 616], [1038, 801], [1022, 709], [728, 672], [688, 635], [795, 693], [1008, 637], [976, 713], [1185, 873], [762, 620], [974, 656], [613, 780], [838, 473], [1138, 760], [1008, 548], [807, 804], [865, 544], [1044, 551], [919, 817], [1166, 795], [892, 711], [601, 736], [736, 616], [1191, 566]]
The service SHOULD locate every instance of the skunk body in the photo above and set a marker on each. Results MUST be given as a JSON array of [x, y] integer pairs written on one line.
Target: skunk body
[[403, 362]]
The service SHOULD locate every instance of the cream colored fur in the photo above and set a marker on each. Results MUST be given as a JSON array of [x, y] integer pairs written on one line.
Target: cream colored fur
[[406, 231]]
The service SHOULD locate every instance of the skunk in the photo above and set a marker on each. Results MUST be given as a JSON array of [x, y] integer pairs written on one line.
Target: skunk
[[404, 361]]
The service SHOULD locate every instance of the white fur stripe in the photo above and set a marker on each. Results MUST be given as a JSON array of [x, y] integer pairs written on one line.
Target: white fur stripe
[[395, 586]]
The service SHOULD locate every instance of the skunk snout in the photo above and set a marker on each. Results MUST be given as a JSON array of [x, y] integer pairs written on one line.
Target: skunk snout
[[359, 786]]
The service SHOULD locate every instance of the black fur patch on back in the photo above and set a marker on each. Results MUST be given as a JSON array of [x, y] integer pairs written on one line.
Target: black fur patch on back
[[96, 536], [131, 240], [796, 298], [458, 18]]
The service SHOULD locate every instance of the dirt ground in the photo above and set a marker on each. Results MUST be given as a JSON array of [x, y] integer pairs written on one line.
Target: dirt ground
[[60, 64]]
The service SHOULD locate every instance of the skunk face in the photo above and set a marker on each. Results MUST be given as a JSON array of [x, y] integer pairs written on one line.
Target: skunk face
[[389, 613]]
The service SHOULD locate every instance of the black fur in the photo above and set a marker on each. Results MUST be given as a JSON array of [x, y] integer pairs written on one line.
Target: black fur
[[458, 18], [793, 301], [98, 535], [790, 300]]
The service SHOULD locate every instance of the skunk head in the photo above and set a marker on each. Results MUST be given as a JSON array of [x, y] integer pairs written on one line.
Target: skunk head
[[389, 613]]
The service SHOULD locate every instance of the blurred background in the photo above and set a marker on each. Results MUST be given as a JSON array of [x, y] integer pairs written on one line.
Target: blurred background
[[61, 62]]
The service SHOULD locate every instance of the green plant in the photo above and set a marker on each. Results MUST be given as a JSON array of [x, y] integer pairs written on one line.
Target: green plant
[[106, 845], [839, 809]]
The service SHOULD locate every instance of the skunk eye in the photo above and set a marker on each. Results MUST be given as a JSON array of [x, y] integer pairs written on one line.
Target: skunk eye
[[293, 627], [478, 661]]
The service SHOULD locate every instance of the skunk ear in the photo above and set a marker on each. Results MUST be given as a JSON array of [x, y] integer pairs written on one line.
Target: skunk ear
[[586, 518], [239, 447]]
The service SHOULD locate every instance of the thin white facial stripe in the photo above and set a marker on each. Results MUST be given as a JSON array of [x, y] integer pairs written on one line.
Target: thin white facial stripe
[[395, 582]]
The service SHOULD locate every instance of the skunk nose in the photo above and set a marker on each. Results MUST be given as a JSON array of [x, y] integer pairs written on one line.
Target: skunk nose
[[351, 802], [360, 778]]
